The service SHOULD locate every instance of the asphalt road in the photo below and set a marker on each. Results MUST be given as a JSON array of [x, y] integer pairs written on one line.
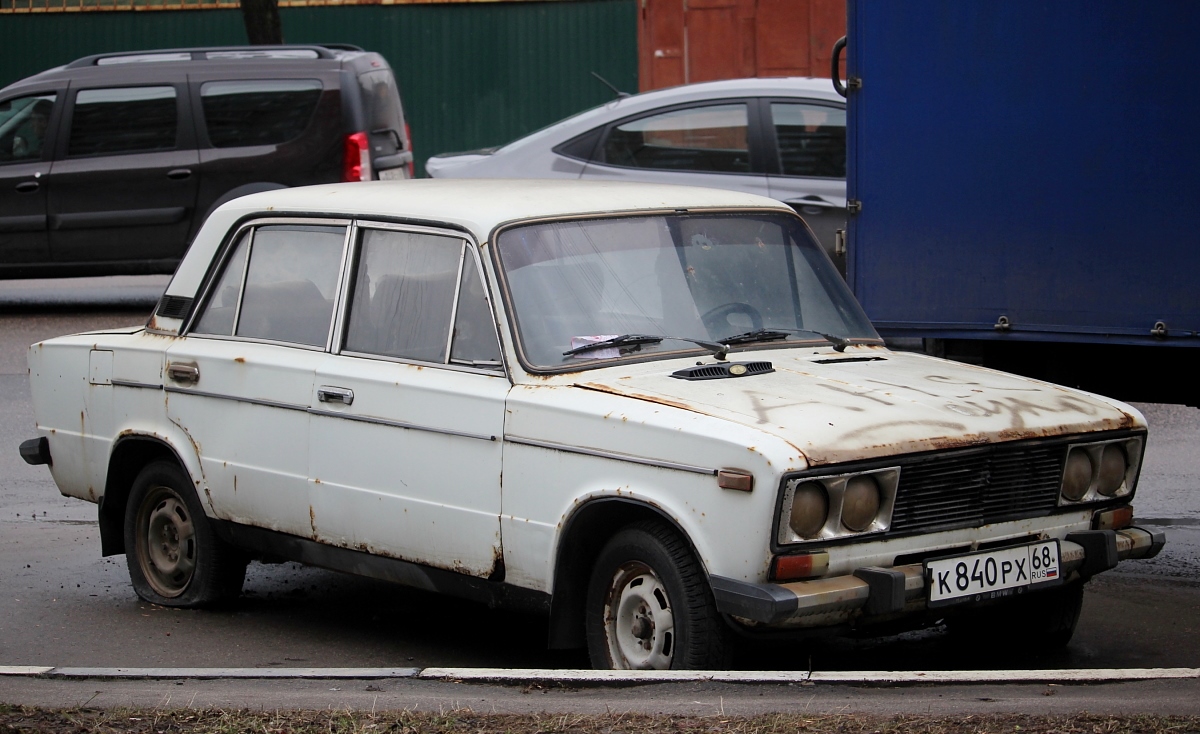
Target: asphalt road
[[61, 604]]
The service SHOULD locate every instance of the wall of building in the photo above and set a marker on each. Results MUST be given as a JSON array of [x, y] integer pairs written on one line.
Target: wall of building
[[684, 41]]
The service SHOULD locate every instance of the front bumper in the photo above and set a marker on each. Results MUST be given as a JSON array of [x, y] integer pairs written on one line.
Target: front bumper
[[886, 592]]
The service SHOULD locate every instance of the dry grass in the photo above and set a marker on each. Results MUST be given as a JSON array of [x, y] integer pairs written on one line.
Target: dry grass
[[32, 720]]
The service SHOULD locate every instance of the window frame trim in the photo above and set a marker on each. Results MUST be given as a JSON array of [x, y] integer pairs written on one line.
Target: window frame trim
[[468, 245], [770, 137], [185, 136], [754, 135], [54, 136], [334, 344], [225, 254], [203, 140]]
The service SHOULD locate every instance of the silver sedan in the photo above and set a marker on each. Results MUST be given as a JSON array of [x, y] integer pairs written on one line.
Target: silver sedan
[[784, 138]]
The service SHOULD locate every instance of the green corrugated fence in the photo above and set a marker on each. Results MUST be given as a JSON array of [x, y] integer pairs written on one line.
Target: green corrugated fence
[[471, 75]]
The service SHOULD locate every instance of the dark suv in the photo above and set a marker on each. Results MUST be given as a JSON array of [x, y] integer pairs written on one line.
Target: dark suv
[[111, 163]]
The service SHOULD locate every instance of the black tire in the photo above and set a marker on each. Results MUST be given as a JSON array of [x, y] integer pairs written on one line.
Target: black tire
[[1042, 621], [649, 605], [175, 558]]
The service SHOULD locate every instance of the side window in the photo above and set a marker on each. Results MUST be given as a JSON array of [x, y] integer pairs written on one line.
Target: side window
[[221, 310], [404, 293], [811, 139], [23, 125], [711, 138], [123, 120], [474, 340], [258, 112], [287, 291]]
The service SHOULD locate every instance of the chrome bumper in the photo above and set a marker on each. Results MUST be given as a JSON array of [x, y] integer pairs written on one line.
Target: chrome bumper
[[901, 589]]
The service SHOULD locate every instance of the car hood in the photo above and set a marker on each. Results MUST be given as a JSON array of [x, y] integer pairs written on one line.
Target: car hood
[[871, 402]]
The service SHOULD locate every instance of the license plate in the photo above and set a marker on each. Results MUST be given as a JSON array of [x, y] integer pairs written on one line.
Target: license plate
[[393, 174], [992, 575]]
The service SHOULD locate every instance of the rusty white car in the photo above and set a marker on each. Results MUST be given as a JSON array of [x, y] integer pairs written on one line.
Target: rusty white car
[[653, 413]]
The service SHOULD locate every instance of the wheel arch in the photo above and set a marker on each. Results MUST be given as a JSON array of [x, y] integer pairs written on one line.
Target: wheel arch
[[130, 453], [584, 533]]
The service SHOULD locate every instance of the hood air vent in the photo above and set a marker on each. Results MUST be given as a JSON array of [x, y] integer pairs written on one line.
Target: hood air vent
[[724, 370]]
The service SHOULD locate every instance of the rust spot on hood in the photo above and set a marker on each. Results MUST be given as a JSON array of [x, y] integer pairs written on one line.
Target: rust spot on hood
[[240, 360], [638, 396]]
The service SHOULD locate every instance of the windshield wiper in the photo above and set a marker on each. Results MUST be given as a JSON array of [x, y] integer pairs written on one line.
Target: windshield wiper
[[629, 340], [766, 335]]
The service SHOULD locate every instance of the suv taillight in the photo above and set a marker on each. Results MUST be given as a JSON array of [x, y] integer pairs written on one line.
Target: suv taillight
[[412, 164], [356, 161]]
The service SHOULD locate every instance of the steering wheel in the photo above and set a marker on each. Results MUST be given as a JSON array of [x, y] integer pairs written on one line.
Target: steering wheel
[[716, 320]]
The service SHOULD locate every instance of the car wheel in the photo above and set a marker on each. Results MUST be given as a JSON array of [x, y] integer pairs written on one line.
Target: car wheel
[[649, 606], [175, 559], [1038, 622]]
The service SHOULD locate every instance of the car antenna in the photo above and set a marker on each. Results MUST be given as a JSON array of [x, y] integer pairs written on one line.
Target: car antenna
[[610, 85]]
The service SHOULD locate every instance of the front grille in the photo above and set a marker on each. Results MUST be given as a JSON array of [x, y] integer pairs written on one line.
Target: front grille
[[978, 487]]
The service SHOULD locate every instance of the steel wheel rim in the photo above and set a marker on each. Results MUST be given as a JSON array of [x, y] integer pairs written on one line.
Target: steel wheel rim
[[639, 623], [166, 542]]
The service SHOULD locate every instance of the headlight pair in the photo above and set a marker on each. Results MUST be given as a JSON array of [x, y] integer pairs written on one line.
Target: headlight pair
[[1100, 471], [821, 508]]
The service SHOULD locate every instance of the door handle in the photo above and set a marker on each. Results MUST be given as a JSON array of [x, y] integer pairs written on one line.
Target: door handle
[[183, 371], [331, 394], [179, 174], [28, 187]]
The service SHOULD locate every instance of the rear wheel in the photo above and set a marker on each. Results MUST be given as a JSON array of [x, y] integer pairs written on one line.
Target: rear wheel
[[175, 559], [649, 606]]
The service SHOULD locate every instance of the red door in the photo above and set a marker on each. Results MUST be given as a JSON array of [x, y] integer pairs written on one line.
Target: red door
[[684, 41]]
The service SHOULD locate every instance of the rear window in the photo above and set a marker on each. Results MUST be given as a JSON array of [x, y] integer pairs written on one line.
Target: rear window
[[381, 101], [258, 112]]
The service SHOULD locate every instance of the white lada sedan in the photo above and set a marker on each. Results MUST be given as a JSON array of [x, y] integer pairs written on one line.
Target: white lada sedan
[[655, 414]]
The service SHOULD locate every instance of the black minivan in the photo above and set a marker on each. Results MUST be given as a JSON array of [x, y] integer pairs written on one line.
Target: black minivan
[[110, 164]]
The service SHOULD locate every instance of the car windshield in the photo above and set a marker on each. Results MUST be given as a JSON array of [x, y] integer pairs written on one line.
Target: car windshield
[[682, 277]]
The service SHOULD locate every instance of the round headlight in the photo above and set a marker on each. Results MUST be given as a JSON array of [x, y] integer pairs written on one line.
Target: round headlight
[[810, 509], [860, 504], [1078, 475], [1113, 465]]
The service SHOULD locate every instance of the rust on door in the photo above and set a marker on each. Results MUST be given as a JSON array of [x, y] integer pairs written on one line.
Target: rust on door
[[684, 41]]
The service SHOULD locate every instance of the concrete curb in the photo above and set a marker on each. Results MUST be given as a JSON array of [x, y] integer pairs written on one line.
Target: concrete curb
[[501, 675], [600, 677]]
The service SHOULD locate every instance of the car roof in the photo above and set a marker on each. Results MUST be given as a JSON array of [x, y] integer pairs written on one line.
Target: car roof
[[272, 59], [792, 86], [480, 205], [752, 85], [477, 206]]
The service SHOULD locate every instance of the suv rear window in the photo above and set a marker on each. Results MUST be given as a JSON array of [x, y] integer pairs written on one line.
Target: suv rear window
[[123, 120], [258, 112]]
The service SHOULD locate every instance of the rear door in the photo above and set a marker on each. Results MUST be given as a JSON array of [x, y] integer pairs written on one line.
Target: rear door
[[239, 381], [123, 185]]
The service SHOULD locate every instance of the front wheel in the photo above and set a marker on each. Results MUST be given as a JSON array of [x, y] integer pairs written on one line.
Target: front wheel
[[649, 606], [174, 557]]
